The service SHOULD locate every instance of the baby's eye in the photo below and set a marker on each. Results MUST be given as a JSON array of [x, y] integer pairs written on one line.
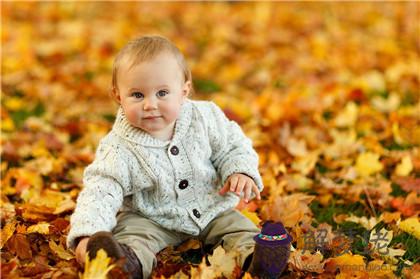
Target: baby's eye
[[137, 95], [162, 93]]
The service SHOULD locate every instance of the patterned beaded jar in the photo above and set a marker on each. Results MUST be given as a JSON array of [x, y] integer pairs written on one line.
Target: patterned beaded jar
[[272, 251]]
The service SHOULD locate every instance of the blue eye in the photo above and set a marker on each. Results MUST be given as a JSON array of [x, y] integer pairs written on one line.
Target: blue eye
[[137, 95], [162, 93]]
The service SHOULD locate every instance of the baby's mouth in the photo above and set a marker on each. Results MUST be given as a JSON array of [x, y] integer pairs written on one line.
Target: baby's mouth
[[151, 117]]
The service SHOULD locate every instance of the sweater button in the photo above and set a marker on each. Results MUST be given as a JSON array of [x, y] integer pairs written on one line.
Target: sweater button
[[174, 150], [196, 213], [183, 184]]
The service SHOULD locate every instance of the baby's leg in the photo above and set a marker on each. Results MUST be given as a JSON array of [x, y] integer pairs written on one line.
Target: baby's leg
[[233, 231], [145, 237]]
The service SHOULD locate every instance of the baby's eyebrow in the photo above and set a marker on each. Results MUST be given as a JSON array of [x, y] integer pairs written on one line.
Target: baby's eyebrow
[[131, 89], [162, 86]]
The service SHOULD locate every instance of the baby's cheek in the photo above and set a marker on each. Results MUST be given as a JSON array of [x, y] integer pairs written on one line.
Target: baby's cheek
[[132, 117], [172, 113]]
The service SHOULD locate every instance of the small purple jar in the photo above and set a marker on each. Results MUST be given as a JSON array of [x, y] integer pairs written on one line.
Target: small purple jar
[[272, 251]]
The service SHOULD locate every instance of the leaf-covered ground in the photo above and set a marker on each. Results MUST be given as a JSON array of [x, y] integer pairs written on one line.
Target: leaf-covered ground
[[329, 93]]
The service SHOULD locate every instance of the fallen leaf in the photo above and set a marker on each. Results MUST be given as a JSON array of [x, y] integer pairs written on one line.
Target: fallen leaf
[[60, 251], [19, 244], [296, 147], [378, 270], [289, 210], [348, 116], [408, 184], [368, 163], [365, 222], [405, 167], [412, 272], [389, 217], [350, 266], [7, 232], [98, 267], [223, 263], [307, 261], [42, 228], [411, 226], [251, 216]]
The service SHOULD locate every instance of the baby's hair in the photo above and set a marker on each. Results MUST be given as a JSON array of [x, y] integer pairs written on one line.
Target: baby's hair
[[144, 48]]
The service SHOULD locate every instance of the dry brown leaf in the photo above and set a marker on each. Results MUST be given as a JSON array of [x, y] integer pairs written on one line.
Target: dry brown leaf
[[19, 244], [289, 210], [60, 251], [307, 261], [7, 232]]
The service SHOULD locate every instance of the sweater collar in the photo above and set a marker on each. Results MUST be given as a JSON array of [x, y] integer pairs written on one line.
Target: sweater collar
[[125, 130]]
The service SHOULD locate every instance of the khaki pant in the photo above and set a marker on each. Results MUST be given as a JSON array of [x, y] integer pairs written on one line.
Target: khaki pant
[[231, 229]]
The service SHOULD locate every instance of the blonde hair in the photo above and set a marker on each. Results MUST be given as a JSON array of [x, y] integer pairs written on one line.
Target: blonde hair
[[144, 48]]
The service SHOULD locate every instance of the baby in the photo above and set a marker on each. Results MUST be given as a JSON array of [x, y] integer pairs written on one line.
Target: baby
[[170, 168]]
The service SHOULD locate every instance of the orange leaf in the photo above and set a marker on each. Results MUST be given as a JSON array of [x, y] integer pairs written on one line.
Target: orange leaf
[[19, 245]]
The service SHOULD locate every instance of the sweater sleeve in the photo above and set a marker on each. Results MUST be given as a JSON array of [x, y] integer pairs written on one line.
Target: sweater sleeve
[[232, 151], [106, 182]]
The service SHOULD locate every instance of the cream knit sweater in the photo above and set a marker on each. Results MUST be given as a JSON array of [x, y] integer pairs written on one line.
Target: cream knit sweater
[[174, 183]]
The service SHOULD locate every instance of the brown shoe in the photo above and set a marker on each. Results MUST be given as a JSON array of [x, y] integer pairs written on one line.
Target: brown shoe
[[105, 240]]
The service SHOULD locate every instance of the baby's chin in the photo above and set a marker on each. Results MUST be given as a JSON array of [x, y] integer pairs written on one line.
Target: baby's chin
[[155, 129]]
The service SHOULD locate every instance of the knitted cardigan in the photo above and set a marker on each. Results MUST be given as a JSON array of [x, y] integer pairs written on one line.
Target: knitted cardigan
[[174, 183]]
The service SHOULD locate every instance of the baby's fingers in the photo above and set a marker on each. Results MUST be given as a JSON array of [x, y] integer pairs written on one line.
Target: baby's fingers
[[240, 186], [225, 188], [248, 190], [256, 191]]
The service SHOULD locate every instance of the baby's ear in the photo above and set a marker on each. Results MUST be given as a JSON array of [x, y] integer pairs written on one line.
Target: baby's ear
[[187, 89], [115, 94]]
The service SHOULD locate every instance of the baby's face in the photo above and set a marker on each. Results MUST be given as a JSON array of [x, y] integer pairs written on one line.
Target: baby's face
[[151, 94]]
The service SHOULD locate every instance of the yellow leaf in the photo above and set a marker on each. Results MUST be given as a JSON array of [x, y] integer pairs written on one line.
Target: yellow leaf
[[251, 216], [389, 217], [247, 276], [411, 226], [371, 82], [386, 105], [396, 133], [273, 112], [7, 125], [305, 164], [405, 167], [296, 147], [351, 266], [14, 103], [377, 269], [368, 163], [42, 228], [349, 259], [7, 232], [348, 116], [365, 222], [97, 268], [60, 251], [223, 262], [298, 181]]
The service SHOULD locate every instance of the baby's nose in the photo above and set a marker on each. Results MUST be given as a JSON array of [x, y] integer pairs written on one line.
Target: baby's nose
[[150, 103]]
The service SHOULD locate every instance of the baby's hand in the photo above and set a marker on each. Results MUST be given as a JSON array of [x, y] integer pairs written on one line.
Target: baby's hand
[[237, 183]]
